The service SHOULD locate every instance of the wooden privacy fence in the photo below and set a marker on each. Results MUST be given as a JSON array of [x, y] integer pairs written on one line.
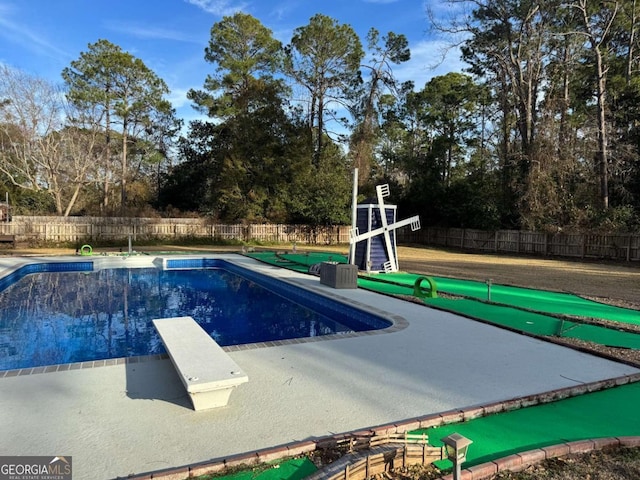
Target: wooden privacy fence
[[625, 247], [36, 230]]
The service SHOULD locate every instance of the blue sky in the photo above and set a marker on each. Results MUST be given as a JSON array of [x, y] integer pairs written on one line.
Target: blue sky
[[42, 37]]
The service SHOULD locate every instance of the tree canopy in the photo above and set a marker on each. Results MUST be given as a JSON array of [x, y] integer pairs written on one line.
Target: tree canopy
[[324, 58], [540, 131], [112, 87]]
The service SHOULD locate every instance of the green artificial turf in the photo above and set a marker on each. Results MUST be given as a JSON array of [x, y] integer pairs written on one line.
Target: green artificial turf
[[608, 413], [295, 469], [521, 309]]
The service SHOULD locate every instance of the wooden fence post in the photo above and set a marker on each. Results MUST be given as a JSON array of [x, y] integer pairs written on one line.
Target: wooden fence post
[[546, 244]]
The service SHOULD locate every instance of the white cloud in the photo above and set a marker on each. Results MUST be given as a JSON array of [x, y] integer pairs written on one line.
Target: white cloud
[[429, 58], [446, 9], [156, 33], [220, 8], [17, 33], [178, 97], [282, 10]]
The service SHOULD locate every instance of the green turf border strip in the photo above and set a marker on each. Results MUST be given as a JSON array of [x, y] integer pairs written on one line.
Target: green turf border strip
[[566, 302], [617, 337], [525, 322]]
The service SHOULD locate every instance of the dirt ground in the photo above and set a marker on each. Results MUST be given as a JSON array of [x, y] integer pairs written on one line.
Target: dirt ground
[[611, 464], [607, 281]]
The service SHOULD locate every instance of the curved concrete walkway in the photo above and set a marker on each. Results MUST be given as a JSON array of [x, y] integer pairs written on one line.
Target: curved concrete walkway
[[135, 417]]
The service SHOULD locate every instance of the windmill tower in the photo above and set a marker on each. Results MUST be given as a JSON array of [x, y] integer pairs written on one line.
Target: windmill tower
[[372, 237]]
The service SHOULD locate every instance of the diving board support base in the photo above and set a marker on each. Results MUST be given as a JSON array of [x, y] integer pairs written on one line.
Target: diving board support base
[[208, 373]]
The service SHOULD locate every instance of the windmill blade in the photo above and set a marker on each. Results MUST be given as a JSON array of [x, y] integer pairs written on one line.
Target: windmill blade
[[353, 235], [357, 237], [390, 251], [407, 221], [383, 191]]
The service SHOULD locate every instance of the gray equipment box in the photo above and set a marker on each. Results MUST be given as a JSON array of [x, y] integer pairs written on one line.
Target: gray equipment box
[[339, 275]]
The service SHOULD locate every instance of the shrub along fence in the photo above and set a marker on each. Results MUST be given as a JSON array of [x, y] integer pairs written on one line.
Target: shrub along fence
[[625, 247], [36, 230]]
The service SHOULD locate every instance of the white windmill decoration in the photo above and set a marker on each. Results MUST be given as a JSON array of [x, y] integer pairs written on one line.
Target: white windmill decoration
[[376, 221]]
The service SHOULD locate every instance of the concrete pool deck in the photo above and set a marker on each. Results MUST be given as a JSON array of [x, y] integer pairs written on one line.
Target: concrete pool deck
[[136, 417]]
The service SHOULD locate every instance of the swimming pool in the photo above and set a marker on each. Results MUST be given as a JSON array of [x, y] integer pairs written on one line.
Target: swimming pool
[[59, 313]]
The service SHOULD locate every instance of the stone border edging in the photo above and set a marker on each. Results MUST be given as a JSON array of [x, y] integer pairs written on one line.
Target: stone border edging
[[251, 459], [520, 461]]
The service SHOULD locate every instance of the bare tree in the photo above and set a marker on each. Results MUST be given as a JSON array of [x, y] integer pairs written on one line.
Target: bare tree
[[39, 152]]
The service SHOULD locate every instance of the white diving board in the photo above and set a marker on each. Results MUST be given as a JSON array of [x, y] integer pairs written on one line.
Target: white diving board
[[206, 370]]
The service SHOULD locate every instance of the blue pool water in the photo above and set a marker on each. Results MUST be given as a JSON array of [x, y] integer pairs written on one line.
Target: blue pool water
[[67, 316]]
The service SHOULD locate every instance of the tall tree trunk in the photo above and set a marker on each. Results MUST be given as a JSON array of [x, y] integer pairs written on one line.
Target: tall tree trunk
[[504, 148], [72, 202], [602, 154], [447, 168], [313, 112], [632, 40], [107, 160], [58, 201], [320, 127], [597, 35], [123, 192], [565, 100]]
